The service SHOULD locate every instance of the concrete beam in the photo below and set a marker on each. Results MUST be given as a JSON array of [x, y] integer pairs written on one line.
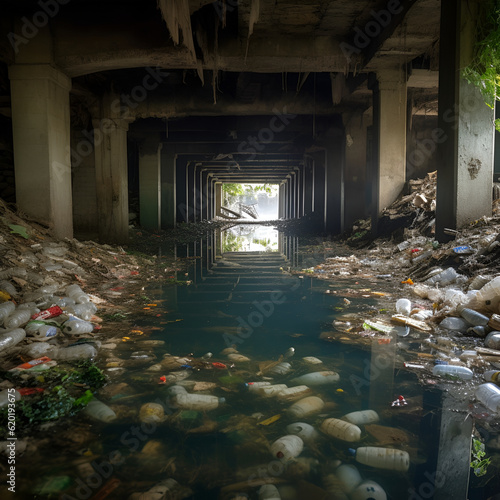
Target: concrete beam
[[150, 183]]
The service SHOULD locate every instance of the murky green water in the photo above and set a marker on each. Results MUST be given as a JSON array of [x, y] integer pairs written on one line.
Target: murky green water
[[250, 302]]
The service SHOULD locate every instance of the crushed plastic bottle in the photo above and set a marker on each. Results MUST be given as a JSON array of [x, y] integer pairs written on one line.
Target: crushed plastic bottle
[[403, 306], [489, 395], [11, 338]]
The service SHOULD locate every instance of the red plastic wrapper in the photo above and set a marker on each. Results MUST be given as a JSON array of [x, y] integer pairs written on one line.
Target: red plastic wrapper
[[51, 312], [221, 366], [28, 391], [32, 363]]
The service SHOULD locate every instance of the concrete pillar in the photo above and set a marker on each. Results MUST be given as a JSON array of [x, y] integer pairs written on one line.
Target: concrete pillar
[[181, 193], [392, 136], [319, 182], [168, 191], [150, 184], [191, 191], [308, 186], [110, 143], [218, 197], [41, 136], [465, 133], [334, 180]]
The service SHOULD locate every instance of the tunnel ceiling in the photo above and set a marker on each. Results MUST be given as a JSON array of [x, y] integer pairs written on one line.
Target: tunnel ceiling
[[231, 65]]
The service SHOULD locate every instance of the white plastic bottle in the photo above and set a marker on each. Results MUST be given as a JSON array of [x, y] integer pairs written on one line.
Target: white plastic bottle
[[6, 309], [76, 326], [198, 402], [173, 390], [17, 318], [489, 295], [280, 369], [317, 378], [403, 306], [369, 490], [271, 390], [349, 477], [75, 352], [382, 458], [341, 429], [99, 411], [489, 395], [45, 332], [461, 372], [11, 338], [306, 432], [312, 360], [363, 417], [293, 393], [306, 406], [287, 447], [238, 358], [268, 492], [255, 386]]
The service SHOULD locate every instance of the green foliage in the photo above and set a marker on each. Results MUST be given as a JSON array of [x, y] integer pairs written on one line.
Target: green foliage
[[232, 242], [62, 395], [232, 191], [484, 69], [479, 464]]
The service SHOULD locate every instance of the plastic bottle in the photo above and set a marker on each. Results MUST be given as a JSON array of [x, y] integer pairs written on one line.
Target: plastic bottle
[[349, 477], [198, 402], [176, 389], [99, 411], [382, 458], [312, 360], [492, 340], [317, 378], [44, 333], [473, 317], [446, 277], [237, 358], [292, 393], [489, 395], [289, 353], [8, 287], [369, 490], [306, 432], [479, 331], [341, 429], [268, 492], [492, 376], [77, 326], [489, 294], [151, 413], [478, 282], [83, 311], [17, 318], [280, 369], [306, 406], [75, 352], [287, 447], [403, 306], [455, 324], [271, 390], [255, 386], [7, 397], [11, 338], [363, 417], [77, 294], [65, 302], [6, 309], [461, 372]]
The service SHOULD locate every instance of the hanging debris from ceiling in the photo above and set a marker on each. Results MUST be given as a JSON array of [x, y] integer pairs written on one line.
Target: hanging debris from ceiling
[[338, 87], [254, 18], [177, 16]]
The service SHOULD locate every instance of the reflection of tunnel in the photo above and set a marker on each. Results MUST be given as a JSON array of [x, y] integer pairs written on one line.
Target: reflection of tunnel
[[335, 100]]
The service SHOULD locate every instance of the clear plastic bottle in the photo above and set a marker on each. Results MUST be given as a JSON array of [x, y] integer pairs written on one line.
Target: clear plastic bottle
[[362, 417], [489, 295], [77, 294], [492, 376], [382, 458], [75, 352], [77, 326], [456, 324], [238, 358], [17, 318], [461, 372], [446, 277], [341, 429], [198, 402], [280, 369], [403, 306], [8, 287], [317, 378], [271, 390], [83, 311], [11, 338], [99, 411], [41, 331], [306, 432], [489, 395], [306, 406], [255, 386], [473, 317], [287, 447], [492, 340], [173, 390], [6, 309]]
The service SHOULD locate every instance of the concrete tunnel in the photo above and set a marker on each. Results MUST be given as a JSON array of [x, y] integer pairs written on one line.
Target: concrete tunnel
[[340, 103]]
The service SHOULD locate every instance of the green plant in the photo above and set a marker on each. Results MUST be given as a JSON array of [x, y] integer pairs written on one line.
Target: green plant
[[479, 463], [484, 69]]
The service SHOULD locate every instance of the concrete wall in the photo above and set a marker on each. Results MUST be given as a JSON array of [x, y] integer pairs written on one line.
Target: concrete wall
[[421, 147]]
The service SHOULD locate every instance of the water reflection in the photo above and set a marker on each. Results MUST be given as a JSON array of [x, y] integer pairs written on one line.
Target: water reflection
[[250, 238]]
